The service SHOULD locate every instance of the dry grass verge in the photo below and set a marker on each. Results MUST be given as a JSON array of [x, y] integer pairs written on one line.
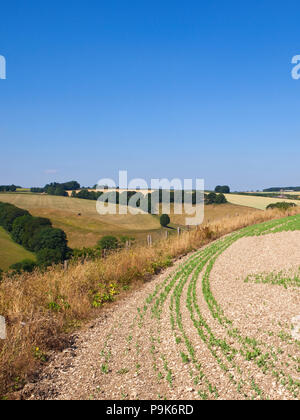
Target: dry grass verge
[[42, 308]]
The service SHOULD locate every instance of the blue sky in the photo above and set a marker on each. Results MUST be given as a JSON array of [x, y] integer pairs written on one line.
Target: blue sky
[[160, 88]]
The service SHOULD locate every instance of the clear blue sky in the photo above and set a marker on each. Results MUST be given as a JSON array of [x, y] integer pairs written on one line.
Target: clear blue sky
[[161, 88]]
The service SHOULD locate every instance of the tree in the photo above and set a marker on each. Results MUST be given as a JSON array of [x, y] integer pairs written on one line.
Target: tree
[[213, 198], [60, 191], [8, 214], [220, 199], [25, 227], [222, 189], [47, 257], [164, 220], [108, 242], [50, 238], [210, 198]]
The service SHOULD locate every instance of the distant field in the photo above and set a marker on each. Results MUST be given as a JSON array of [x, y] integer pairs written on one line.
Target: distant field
[[255, 202], [27, 190], [10, 252], [214, 213], [87, 229]]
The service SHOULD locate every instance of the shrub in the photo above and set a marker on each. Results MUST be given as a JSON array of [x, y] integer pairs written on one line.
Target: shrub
[[213, 198], [220, 199], [282, 205], [47, 257], [164, 220], [108, 242], [26, 265], [210, 198]]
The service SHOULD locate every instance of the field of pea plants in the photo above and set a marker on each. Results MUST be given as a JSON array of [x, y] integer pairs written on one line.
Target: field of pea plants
[[217, 325]]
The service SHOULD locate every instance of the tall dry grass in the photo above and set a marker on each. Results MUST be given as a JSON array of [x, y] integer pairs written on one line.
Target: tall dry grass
[[42, 308]]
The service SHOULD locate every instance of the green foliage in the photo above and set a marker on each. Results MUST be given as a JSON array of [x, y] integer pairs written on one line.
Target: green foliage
[[26, 265], [213, 198], [164, 220], [220, 199], [25, 229], [58, 189], [37, 190], [8, 188], [278, 189], [90, 253], [108, 242], [285, 279], [222, 189], [50, 238], [125, 238], [281, 205], [8, 214], [87, 195], [35, 234], [47, 257]]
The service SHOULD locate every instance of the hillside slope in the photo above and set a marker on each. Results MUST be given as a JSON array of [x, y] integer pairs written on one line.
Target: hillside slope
[[202, 330]]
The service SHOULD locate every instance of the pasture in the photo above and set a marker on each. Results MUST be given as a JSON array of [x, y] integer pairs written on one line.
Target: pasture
[[10, 252]]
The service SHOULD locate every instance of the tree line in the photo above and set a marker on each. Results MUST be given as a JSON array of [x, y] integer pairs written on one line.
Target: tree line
[[59, 189], [8, 188], [149, 202], [278, 189]]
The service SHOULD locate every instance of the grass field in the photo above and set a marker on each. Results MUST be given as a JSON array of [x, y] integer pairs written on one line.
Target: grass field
[[10, 252], [87, 229], [255, 202]]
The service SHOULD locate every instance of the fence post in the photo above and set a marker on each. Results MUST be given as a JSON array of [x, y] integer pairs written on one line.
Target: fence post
[[149, 240], [178, 231], [66, 265], [166, 234]]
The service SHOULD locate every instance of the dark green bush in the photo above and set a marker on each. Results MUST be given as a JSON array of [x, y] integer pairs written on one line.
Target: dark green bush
[[8, 214], [47, 257], [213, 198], [26, 227], [26, 265], [108, 242], [49, 238], [164, 220], [282, 205], [220, 199]]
